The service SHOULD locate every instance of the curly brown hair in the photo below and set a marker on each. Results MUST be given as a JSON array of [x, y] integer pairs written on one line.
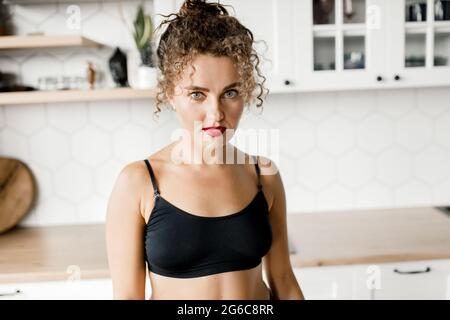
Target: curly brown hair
[[206, 28]]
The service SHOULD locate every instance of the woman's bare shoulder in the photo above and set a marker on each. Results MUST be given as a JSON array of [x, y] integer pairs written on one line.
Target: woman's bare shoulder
[[134, 179], [138, 171]]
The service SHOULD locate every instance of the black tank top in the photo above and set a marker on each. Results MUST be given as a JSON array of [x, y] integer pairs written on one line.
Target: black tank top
[[180, 244]]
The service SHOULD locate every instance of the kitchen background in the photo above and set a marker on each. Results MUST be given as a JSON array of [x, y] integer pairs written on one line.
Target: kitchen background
[[360, 96], [338, 149]]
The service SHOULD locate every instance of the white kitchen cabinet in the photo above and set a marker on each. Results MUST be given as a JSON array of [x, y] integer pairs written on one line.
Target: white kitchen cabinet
[[418, 51], [297, 47], [270, 21], [377, 281], [338, 52], [398, 53], [89, 289]]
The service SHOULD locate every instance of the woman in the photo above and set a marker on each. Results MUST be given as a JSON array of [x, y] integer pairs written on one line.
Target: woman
[[205, 230]]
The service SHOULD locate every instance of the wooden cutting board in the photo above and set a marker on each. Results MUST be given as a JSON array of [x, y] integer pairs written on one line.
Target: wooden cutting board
[[17, 192]]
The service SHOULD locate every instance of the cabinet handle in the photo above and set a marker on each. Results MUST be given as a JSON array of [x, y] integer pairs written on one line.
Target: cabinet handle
[[397, 77], [287, 82], [428, 269], [379, 78], [11, 293]]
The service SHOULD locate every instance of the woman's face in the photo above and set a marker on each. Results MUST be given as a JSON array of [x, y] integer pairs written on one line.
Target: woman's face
[[208, 96]]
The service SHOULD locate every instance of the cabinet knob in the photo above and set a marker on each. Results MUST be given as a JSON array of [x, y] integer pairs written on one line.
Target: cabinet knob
[[287, 82], [379, 78], [397, 77]]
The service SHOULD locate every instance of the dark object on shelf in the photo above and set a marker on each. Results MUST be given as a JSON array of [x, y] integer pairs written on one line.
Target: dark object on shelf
[[440, 61], [7, 79], [414, 61], [8, 83], [442, 10], [118, 68], [15, 88], [5, 27], [446, 6], [354, 60], [318, 66], [445, 210], [322, 10], [419, 61], [416, 12]]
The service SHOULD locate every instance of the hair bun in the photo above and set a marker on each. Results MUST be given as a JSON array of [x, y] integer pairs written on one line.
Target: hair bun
[[201, 8]]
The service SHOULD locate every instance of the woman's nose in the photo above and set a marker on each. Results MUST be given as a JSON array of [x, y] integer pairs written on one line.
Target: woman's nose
[[215, 110]]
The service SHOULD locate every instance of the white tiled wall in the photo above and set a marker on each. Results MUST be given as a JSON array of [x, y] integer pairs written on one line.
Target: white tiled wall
[[338, 150]]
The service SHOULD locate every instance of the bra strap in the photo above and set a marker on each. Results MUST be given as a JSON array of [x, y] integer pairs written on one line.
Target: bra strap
[[258, 171], [152, 177]]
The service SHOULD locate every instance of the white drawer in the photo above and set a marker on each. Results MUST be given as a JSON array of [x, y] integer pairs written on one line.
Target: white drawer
[[429, 279], [377, 281]]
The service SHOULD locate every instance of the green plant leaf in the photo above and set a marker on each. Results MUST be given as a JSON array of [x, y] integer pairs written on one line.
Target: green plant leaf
[[147, 32], [139, 25]]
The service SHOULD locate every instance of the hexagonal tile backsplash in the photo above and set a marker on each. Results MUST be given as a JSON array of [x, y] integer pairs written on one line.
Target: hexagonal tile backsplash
[[338, 150]]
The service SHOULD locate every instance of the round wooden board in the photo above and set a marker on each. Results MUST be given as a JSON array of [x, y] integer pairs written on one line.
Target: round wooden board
[[17, 192]]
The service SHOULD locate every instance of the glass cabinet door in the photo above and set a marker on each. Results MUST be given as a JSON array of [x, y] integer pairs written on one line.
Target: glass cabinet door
[[441, 41], [339, 34], [344, 44], [420, 42]]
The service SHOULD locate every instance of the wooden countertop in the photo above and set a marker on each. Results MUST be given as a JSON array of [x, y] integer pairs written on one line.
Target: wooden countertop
[[320, 238], [369, 236], [53, 253]]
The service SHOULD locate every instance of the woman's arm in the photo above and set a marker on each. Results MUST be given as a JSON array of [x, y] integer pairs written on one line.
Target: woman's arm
[[124, 236], [277, 262]]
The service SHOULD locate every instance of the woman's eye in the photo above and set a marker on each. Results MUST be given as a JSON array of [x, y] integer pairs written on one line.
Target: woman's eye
[[195, 95], [234, 93]]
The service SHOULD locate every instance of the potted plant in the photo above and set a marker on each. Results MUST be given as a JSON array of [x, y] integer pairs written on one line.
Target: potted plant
[[143, 33]]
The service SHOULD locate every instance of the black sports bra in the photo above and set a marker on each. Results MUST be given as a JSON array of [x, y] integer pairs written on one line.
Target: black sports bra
[[180, 244]]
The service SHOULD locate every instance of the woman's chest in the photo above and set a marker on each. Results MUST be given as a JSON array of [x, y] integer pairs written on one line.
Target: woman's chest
[[179, 241]]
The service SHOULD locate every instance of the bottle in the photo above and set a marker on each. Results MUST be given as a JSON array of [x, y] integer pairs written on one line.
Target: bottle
[[90, 75], [438, 10]]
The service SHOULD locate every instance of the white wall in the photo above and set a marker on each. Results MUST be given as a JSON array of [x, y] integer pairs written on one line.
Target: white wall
[[338, 150]]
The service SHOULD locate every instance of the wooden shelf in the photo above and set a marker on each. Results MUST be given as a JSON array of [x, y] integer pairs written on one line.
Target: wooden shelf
[[45, 41], [24, 97], [329, 30], [36, 2]]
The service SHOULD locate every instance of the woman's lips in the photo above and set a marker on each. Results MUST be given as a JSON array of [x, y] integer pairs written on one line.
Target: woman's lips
[[214, 131]]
